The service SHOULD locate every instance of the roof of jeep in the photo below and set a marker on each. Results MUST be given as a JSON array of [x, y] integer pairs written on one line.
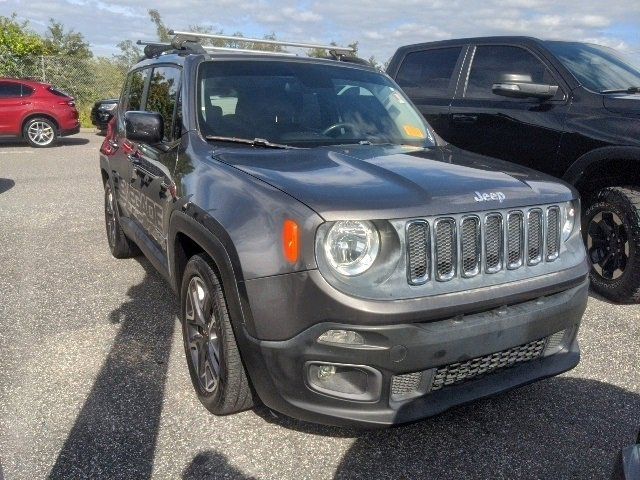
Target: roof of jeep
[[181, 57]]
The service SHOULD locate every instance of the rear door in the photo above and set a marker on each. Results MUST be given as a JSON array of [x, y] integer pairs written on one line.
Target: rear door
[[153, 165], [525, 131], [14, 103], [429, 78]]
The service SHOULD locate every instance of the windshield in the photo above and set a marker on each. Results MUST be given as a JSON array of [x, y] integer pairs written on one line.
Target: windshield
[[305, 104], [595, 67]]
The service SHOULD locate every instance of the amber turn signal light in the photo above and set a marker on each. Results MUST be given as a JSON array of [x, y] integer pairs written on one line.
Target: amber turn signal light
[[291, 241]]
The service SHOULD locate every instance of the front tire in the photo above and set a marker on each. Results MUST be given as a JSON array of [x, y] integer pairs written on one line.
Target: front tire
[[40, 132], [215, 366], [612, 236]]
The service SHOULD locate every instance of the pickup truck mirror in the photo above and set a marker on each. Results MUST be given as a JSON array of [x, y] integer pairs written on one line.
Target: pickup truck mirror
[[521, 86], [144, 127]]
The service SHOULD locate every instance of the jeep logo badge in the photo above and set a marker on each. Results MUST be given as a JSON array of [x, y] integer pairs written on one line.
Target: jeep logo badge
[[485, 197]]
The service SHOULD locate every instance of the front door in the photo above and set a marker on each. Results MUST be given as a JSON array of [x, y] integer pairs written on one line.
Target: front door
[[525, 131], [152, 166]]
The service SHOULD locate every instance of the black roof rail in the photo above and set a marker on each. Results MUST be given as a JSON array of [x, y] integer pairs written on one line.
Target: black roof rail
[[155, 49]]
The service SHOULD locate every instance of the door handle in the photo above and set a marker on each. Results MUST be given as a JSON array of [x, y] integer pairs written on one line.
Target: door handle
[[464, 118]]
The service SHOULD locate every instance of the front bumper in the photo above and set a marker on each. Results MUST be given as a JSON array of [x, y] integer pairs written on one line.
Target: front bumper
[[279, 370]]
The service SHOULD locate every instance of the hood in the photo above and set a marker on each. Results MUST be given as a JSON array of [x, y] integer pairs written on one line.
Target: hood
[[374, 182], [626, 104]]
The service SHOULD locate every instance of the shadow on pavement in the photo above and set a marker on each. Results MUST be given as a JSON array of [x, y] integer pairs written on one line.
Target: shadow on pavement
[[560, 428], [114, 436], [61, 142], [211, 465], [6, 184]]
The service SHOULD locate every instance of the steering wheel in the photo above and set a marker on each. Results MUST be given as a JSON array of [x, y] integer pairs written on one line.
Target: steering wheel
[[336, 126]]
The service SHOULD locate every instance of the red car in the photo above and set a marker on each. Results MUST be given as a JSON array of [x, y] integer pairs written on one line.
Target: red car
[[36, 111]]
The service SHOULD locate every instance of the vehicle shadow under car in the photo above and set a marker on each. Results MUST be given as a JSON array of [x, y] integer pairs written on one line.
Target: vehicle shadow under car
[[563, 427], [60, 142]]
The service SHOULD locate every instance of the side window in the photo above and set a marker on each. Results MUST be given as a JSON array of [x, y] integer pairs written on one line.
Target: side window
[[492, 62], [134, 91], [163, 97], [10, 90], [428, 73], [27, 90]]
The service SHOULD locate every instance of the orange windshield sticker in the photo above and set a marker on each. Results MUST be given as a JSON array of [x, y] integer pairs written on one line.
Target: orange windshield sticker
[[413, 131]]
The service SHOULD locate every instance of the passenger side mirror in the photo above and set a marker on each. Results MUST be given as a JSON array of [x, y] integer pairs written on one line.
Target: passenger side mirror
[[521, 86], [144, 127]]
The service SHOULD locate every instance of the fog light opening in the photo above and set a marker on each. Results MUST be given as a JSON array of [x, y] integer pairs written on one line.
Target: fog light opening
[[351, 382]]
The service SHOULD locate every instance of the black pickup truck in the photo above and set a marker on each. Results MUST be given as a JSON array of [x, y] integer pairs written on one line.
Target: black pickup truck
[[333, 258], [565, 108]]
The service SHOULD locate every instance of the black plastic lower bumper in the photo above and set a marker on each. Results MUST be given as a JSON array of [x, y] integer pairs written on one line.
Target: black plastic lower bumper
[[280, 369]]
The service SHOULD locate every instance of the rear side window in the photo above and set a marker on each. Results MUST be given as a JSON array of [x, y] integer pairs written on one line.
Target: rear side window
[[10, 89], [492, 62], [428, 73], [58, 93], [163, 95]]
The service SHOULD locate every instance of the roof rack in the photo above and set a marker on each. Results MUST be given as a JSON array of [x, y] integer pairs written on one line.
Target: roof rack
[[181, 37]]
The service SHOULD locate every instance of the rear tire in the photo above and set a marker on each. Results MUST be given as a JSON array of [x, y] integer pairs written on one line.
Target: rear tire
[[119, 244], [40, 132], [215, 366], [611, 228]]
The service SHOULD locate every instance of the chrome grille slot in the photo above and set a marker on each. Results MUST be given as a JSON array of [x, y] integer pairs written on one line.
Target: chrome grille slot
[[470, 246], [445, 248], [493, 242], [515, 240], [534, 236], [418, 252], [553, 233]]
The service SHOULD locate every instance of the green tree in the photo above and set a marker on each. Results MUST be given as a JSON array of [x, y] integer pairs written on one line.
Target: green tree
[[161, 29], [18, 40], [69, 43]]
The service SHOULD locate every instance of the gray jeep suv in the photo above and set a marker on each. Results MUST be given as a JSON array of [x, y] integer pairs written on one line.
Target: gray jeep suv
[[333, 258]]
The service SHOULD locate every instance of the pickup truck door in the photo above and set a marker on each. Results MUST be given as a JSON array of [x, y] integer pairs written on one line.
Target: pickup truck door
[[429, 78], [521, 130], [152, 166]]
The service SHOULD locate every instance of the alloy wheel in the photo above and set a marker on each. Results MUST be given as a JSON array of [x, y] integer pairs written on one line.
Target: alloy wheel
[[202, 336], [41, 133], [608, 244]]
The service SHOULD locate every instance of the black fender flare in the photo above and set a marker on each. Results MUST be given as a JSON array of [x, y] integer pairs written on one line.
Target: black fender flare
[[216, 243], [575, 172]]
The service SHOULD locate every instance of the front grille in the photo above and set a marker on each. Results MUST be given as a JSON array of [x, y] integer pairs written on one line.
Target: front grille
[[553, 233], [455, 373], [470, 246], [534, 237], [418, 252], [483, 243], [446, 246]]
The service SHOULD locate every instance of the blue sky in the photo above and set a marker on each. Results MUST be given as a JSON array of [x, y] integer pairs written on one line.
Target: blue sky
[[380, 27]]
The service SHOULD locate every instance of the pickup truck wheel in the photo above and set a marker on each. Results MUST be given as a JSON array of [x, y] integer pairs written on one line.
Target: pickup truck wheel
[[119, 244], [612, 237], [40, 132], [217, 372]]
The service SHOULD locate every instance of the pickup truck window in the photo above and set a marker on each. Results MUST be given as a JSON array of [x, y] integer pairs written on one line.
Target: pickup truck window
[[428, 73], [595, 67], [491, 62], [305, 104]]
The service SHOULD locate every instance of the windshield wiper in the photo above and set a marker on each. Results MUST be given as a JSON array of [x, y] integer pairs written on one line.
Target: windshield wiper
[[256, 142], [623, 90]]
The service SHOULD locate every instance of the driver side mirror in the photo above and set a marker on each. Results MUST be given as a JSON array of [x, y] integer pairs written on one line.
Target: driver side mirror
[[521, 86], [144, 127]]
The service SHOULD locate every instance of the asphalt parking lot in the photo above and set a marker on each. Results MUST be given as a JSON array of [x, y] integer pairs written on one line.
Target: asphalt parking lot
[[93, 382]]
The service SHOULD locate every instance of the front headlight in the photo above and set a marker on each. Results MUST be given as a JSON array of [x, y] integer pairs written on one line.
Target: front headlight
[[351, 246], [570, 210]]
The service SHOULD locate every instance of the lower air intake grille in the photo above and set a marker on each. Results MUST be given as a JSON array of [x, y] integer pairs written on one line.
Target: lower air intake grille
[[406, 384], [455, 373]]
